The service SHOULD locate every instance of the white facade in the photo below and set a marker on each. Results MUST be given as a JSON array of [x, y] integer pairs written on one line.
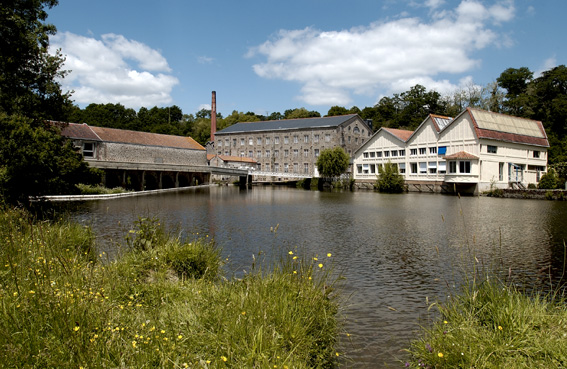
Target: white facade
[[476, 151]]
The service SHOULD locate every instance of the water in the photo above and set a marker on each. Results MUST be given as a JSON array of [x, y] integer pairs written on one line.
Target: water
[[396, 252]]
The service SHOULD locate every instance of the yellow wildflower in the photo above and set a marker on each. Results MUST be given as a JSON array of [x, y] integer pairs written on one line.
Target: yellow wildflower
[[76, 328], [440, 354], [291, 252], [320, 265], [329, 255], [223, 358]]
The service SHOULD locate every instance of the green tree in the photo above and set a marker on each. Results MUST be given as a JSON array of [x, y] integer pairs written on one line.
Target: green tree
[[549, 180], [389, 180], [337, 110], [517, 100], [332, 162], [28, 73], [36, 160], [301, 113]]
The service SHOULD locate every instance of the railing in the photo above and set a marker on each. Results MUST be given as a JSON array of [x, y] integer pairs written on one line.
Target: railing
[[278, 174]]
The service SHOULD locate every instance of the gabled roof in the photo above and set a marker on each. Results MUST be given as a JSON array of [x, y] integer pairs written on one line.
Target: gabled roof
[[85, 132], [439, 123], [400, 134], [502, 127], [287, 124]]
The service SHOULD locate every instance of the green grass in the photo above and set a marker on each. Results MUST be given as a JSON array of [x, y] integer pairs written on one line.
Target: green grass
[[98, 190], [492, 325], [164, 304]]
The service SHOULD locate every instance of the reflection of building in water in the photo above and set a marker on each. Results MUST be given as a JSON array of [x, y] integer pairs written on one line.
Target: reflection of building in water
[[474, 152]]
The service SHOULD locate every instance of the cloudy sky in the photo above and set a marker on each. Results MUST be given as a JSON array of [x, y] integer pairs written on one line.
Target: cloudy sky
[[266, 56]]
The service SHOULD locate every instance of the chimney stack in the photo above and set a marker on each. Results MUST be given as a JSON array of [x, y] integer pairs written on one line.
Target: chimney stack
[[214, 116]]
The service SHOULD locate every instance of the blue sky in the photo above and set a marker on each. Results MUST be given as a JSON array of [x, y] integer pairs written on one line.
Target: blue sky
[[266, 56]]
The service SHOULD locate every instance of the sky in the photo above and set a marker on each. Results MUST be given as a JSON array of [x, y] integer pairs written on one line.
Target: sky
[[268, 56]]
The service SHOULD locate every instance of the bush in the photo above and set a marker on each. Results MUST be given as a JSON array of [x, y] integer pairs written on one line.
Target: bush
[[389, 180], [549, 180]]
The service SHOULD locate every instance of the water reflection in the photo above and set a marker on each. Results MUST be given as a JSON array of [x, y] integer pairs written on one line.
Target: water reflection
[[395, 251]]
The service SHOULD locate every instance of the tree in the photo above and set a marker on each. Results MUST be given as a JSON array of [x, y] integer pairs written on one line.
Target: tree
[[28, 73], [389, 180], [36, 160], [332, 162], [337, 110], [301, 113], [549, 180], [517, 100]]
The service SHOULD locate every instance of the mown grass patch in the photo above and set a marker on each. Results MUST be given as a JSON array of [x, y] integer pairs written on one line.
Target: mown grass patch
[[493, 325], [164, 304]]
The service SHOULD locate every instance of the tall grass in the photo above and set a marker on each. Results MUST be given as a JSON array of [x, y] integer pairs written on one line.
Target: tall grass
[[493, 325], [164, 304]]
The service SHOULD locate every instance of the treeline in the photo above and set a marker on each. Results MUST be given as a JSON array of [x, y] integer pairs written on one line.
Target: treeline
[[515, 92]]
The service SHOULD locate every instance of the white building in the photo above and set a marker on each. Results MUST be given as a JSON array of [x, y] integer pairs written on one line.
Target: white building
[[476, 151]]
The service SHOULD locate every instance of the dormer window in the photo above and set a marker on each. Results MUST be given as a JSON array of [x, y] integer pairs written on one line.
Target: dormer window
[[88, 149]]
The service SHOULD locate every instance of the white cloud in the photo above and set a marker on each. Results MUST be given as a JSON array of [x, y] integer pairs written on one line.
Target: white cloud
[[114, 70], [205, 60], [390, 55], [548, 64]]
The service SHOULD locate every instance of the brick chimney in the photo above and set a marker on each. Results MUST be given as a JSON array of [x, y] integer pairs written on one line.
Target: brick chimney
[[213, 116]]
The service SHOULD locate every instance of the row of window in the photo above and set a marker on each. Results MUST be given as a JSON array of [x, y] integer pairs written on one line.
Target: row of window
[[286, 168], [441, 150], [432, 167], [268, 140], [276, 153]]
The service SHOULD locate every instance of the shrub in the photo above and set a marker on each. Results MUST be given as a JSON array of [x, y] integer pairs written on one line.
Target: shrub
[[389, 180], [532, 186], [549, 180]]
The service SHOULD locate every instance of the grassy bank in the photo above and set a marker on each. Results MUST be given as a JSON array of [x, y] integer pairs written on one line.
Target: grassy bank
[[165, 304], [492, 325]]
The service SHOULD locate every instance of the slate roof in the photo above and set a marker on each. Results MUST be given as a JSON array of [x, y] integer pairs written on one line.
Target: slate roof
[[287, 124], [85, 132]]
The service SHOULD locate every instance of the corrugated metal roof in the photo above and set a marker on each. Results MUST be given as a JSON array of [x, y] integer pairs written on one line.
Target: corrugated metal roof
[[277, 125]]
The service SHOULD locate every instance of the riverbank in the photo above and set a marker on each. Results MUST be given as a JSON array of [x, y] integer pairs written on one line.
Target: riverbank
[[165, 304], [492, 325]]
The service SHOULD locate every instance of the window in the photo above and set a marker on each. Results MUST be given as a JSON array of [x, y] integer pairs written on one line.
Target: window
[[365, 155], [226, 142], [220, 143], [433, 150], [267, 167], [386, 154], [241, 142], [316, 138], [276, 140], [267, 140], [250, 141], [464, 167], [372, 154], [378, 154], [356, 130], [452, 167], [327, 137], [286, 140], [422, 168], [305, 138], [413, 168], [442, 150], [88, 149], [359, 168], [500, 171], [295, 153], [250, 154], [394, 152], [234, 142], [286, 153], [356, 140], [276, 167], [422, 151], [536, 154], [276, 153], [365, 168], [286, 167], [295, 139], [442, 167], [227, 153], [306, 153], [268, 153], [432, 166], [402, 167], [306, 168], [402, 152], [491, 149], [259, 141], [242, 154], [413, 152], [295, 168], [258, 154], [316, 153], [372, 168], [348, 139]]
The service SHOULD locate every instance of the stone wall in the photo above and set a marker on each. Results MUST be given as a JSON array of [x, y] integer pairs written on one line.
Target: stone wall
[[119, 152]]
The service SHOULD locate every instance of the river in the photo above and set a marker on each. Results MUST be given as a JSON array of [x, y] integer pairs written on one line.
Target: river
[[397, 253]]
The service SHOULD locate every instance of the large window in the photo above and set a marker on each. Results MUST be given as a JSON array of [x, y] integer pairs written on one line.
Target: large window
[[464, 166], [88, 149], [422, 168], [452, 167], [491, 149], [402, 167], [413, 168]]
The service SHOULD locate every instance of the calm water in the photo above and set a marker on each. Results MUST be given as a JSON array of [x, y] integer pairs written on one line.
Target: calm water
[[395, 251]]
